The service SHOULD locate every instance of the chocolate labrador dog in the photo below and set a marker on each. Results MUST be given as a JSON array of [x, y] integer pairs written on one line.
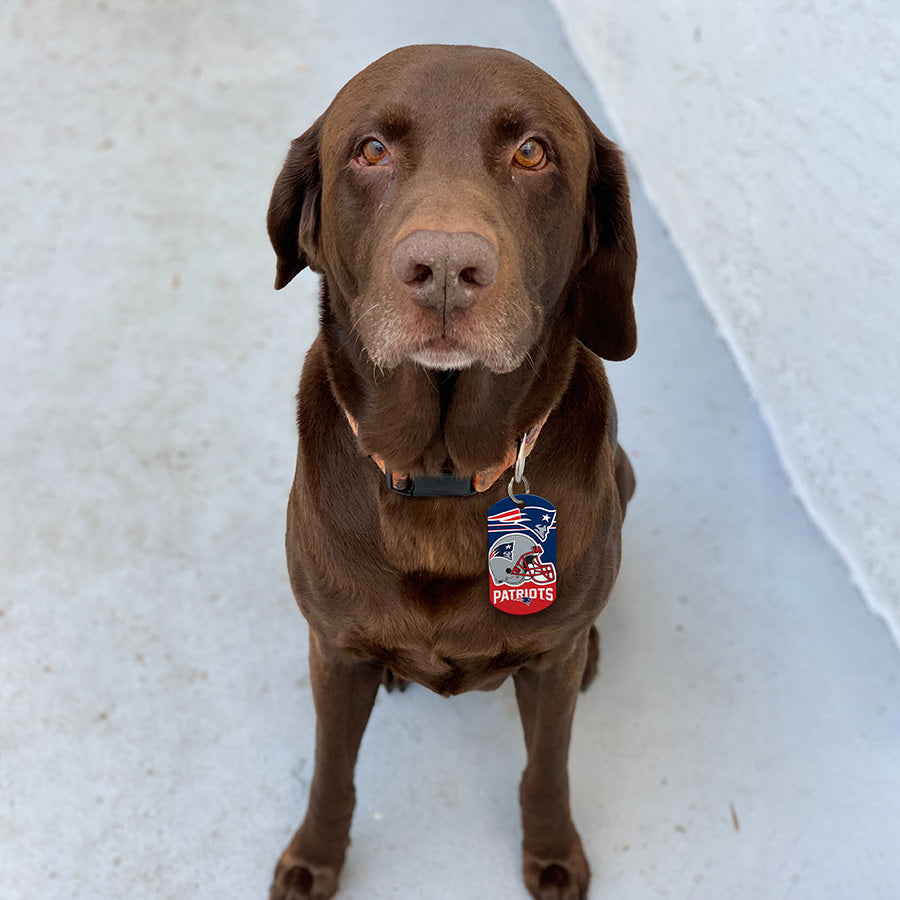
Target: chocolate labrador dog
[[473, 232]]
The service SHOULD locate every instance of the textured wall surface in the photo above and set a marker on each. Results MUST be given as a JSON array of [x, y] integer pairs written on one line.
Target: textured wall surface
[[767, 135]]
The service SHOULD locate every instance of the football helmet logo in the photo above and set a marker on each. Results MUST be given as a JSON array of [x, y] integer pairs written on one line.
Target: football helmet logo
[[515, 558]]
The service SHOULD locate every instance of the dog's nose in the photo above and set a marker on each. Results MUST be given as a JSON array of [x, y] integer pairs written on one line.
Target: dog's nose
[[446, 270]]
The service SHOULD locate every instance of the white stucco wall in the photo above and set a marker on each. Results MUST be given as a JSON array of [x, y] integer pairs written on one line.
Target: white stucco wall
[[767, 134]]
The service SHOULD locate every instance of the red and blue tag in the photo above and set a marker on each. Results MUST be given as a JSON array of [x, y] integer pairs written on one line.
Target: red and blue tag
[[522, 554]]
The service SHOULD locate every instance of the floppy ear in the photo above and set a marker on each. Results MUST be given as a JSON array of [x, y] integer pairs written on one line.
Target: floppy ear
[[295, 207], [605, 283]]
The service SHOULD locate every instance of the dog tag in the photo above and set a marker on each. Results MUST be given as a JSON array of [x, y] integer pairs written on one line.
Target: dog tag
[[522, 554]]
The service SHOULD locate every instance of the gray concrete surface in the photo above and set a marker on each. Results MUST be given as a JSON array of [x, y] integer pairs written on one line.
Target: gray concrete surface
[[156, 732]]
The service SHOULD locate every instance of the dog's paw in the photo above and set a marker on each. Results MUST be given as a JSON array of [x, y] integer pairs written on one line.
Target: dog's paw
[[559, 879], [297, 880]]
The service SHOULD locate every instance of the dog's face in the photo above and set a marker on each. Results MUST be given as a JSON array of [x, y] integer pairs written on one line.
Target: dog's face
[[456, 199]]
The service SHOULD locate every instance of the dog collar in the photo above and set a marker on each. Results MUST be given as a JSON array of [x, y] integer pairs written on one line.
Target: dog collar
[[447, 484]]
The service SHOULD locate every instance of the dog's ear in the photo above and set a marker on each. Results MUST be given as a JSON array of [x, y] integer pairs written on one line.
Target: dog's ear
[[295, 207], [605, 283]]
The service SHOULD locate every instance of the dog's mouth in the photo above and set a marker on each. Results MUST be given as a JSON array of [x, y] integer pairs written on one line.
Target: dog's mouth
[[444, 353], [453, 348], [497, 337]]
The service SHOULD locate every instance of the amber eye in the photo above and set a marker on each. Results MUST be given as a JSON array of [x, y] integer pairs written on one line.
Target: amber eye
[[531, 154], [373, 153]]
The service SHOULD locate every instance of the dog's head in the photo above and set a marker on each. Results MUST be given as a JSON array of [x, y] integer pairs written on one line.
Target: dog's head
[[457, 199]]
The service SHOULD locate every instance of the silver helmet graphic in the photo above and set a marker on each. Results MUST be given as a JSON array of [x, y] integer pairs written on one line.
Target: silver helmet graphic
[[514, 558]]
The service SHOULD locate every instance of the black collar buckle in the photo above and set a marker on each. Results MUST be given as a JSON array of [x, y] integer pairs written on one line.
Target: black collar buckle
[[444, 485]]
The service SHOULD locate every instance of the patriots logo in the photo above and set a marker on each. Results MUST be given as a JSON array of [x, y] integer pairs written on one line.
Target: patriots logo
[[504, 550], [533, 519]]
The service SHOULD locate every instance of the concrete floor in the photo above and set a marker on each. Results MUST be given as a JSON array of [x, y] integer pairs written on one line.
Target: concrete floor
[[156, 736]]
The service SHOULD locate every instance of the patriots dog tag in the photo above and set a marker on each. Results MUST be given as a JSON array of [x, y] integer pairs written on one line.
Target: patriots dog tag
[[522, 553]]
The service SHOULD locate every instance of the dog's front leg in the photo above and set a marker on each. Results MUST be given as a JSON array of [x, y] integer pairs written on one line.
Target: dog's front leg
[[344, 692], [554, 864]]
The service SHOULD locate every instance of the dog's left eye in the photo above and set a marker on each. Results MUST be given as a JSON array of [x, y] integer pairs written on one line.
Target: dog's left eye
[[531, 154], [373, 153]]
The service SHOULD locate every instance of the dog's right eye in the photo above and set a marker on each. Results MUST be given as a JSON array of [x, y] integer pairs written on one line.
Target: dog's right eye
[[373, 153]]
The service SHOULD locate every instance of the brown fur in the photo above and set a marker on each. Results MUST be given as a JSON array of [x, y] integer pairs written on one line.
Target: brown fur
[[396, 589]]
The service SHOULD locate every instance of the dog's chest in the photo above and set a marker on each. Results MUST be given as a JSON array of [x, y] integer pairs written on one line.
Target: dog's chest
[[448, 640]]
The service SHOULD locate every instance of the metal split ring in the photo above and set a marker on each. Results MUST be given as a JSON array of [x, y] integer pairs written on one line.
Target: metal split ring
[[519, 474]]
